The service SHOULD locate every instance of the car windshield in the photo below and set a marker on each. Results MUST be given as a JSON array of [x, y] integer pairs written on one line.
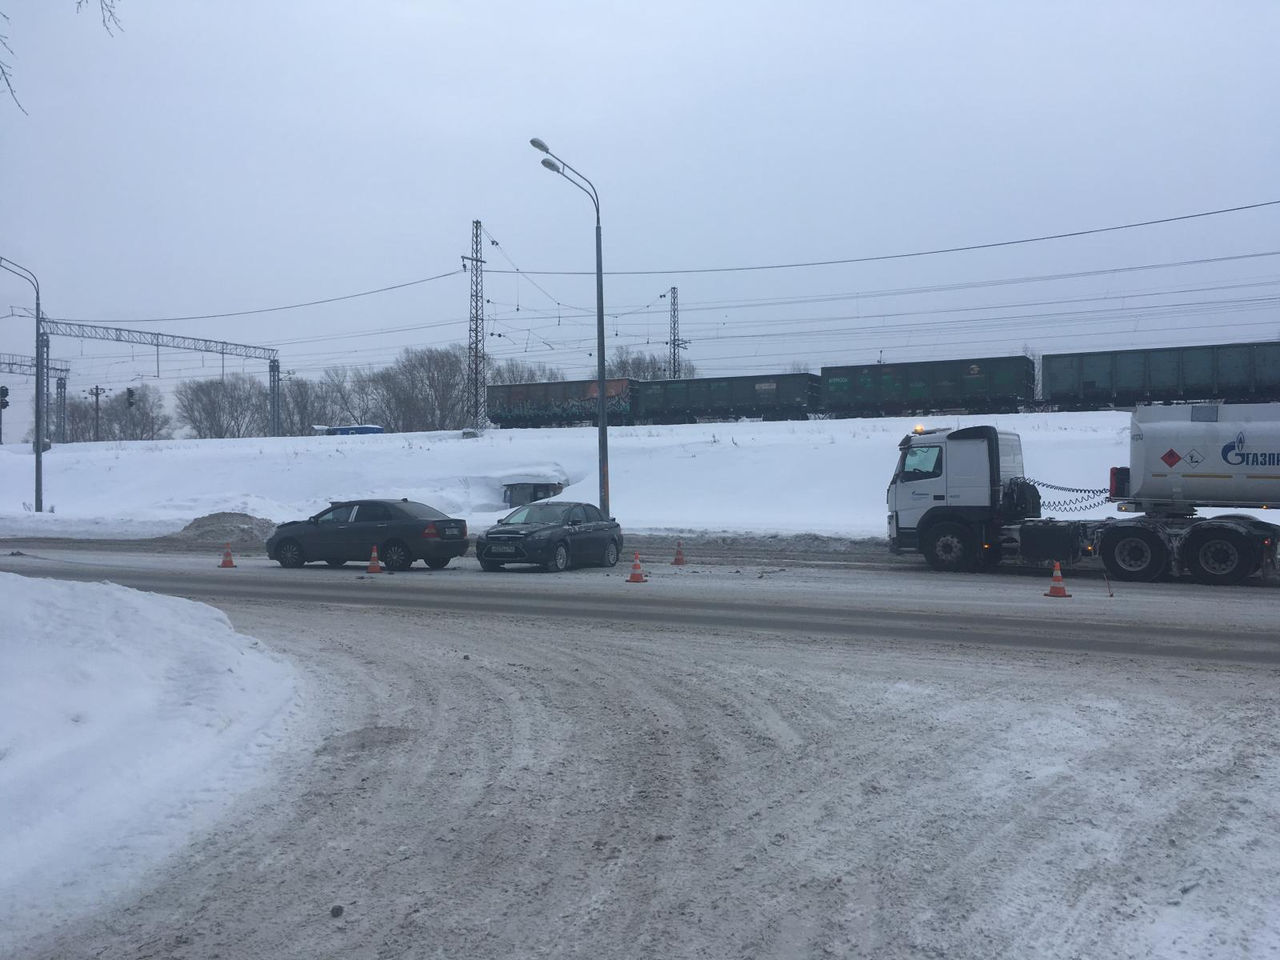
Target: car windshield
[[420, 511], [538, 513]]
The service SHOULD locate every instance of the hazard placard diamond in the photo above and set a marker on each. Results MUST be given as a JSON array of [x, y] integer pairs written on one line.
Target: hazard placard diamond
[[1171, 457]]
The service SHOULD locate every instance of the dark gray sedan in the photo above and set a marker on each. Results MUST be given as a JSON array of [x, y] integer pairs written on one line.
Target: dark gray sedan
[[553, 534], [402, 530]]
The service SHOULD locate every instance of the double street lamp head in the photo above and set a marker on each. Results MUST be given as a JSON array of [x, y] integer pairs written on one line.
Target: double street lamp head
[[546, 161]]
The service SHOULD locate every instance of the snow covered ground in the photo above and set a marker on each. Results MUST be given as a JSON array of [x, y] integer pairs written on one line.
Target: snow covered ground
[[130, 721], [818, 476]]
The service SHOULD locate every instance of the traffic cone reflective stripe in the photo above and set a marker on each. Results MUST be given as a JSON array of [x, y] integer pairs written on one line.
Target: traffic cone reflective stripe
[[679, 560], [374, 565], [637, 575], [1056, 587], [226, 558]]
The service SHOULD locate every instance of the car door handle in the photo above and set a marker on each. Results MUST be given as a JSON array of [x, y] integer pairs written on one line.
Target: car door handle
[[939, 496]]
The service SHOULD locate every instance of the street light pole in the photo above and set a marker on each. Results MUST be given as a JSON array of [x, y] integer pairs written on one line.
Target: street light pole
[[42, 373], [556, 165]]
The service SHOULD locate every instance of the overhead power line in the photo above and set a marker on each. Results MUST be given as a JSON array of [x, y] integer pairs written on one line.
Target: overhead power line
[[905, 256], [298, 306]]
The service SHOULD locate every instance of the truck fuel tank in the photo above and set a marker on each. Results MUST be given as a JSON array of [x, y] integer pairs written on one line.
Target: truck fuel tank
[[1061, 540]]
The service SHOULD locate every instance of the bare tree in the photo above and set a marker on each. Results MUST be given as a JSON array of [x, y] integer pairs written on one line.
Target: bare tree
[[351, 392], [233, 406], [423, 390], [643, 366], [79, 420], [110, 23], [517, 371], [305, 404], [145, 420]]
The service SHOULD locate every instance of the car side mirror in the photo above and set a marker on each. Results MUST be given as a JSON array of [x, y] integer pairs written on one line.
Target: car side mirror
[[574, 522], [312, 520]]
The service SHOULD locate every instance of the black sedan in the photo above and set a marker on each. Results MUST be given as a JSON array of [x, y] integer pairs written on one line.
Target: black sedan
[[553, 534], [402, 530]]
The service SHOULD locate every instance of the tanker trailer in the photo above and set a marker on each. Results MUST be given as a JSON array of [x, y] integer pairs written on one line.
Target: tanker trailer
[[1186, 457]]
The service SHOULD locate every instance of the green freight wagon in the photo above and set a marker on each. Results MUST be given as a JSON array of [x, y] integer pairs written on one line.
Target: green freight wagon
[[1229, 372], [557, 403], [780, 396], [981, 385]]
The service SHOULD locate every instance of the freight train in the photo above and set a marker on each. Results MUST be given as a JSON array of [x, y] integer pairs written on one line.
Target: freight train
[[1232, 372]]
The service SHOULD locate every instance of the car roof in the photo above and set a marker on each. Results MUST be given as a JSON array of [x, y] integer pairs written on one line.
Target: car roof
[[343, 503]]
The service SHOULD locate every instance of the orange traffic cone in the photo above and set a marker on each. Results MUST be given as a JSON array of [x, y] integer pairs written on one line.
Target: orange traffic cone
[[374, 565], [1057, 588], [679, 560], [226, 558], [637, 575]]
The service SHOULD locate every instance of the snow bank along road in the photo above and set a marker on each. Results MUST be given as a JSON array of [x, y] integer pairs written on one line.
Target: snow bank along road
[[864, 774]]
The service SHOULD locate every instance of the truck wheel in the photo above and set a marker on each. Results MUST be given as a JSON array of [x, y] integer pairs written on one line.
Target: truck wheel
[[1134, 554], [949, 546], [1219, 557]]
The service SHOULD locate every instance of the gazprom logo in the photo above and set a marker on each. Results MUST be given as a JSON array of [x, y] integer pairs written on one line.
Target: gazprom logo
[[1236, 455]]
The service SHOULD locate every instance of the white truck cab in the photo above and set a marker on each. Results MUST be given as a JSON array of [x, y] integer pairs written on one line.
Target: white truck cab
[[949, 485]]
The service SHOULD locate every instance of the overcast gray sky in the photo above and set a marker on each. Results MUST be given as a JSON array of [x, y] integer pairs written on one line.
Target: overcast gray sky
[[218, 156]]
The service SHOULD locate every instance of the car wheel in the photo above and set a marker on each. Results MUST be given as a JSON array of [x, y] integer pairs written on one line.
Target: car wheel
[[611, 553], [396, 556], [488, 566], [1219, 557], [559, 561], [336, 563], [1134, 554], [438, 563], [289, 554], [949, 546]]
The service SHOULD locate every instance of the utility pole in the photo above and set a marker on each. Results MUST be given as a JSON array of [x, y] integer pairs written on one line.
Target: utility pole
[[96, 392], [273, 369], [476, 373], [62, 408], [673, 366]]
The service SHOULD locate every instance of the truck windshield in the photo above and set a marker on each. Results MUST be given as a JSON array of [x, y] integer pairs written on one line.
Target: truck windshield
[[920, 463]]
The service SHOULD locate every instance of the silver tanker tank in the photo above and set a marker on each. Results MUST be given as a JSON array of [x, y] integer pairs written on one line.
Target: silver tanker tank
[[1212, 455]]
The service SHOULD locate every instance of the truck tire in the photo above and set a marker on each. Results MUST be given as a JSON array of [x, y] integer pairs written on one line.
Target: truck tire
[[950, 547], [1134, 554], [1218, 556]]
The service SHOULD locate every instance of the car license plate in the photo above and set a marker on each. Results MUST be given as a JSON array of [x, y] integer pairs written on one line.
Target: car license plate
[[502, 548], [452, 530]]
